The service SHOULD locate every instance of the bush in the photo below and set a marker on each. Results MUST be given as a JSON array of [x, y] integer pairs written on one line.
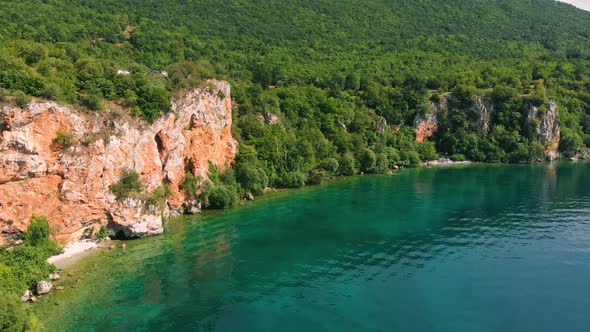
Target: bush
[[435, 98], [457, 157], [191, 183], [347, 164], [21, 99], [426, 151], [410, 158], [13, 317], [50, 92], [64, 138], [252, 179], [37, 234], [367, 160], [317, 176], [127, 186], [103, 233], [219, 197], [381, 163], [330, 165], [159, 196], [92, 100], [292, 180]]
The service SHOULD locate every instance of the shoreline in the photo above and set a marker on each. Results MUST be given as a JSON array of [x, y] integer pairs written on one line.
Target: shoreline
[[73, 252]]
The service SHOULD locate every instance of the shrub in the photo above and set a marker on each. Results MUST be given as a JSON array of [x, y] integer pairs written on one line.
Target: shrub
[[457, 157], [410, 158], [330, 165], [159, 196], [37, 234], [251, 178], [381, 163], [64, 138], [347, 164], [219, 197], [103, 233], [367, 160], [127, 186], [21, 99], [50, 92], [317, 176], [426, 150], [13, 317], [435, 98], [191, 183], [3, 94], [92, 100], [292, 180]]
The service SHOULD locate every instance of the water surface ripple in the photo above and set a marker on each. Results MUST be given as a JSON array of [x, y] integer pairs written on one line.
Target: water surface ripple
[[478, 248]]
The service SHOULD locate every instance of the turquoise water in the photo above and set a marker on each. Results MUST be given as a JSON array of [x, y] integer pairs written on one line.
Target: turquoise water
[[477, 248]]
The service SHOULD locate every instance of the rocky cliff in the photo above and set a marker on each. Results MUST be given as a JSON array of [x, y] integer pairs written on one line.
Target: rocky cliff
[[67, 181], [546, 125], [545, 122], [427, 124]]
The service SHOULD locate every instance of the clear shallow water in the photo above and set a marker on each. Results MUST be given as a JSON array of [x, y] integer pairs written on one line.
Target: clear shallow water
[[477, 248]]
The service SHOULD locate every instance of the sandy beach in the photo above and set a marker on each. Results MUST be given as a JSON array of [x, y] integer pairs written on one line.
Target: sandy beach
[[72, 253]]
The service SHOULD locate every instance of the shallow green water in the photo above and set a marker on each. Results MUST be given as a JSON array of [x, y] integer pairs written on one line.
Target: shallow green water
[[477, 248]]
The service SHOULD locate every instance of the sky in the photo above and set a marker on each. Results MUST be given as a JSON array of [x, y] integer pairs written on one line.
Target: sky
[[584, 4]]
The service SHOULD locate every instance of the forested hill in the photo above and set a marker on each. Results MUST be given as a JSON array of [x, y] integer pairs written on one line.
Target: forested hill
[[326, 70]]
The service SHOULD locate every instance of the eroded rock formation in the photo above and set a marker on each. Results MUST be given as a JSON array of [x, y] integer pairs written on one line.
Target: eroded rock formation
[[69, 183], [546, 125], [426, 125]]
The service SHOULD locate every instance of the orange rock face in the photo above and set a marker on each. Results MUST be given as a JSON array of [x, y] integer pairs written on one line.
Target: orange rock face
[[69, 185], [426, 125]]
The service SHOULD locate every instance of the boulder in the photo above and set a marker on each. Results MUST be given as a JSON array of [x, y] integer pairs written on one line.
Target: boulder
[[44, 287], [54, 276], [26, 296], [248, 196], [192, 207]]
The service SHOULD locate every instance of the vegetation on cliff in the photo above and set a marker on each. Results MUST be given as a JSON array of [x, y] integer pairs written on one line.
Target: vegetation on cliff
[[323, 87], [21, 268]]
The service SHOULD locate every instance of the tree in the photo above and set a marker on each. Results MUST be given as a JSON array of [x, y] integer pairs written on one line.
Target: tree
[[37, 233], [367, 160], [347, 164]]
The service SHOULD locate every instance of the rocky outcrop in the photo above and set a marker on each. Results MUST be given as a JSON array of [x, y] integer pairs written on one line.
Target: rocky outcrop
[[68, 182], [546, 125], [427, 124], [381, 125], [483, 112], [268, 118]]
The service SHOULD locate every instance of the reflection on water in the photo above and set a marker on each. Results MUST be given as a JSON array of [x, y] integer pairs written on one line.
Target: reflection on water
[[478, 248]]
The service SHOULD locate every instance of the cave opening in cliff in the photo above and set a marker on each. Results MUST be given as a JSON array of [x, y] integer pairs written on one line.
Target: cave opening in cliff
[[159, 143]]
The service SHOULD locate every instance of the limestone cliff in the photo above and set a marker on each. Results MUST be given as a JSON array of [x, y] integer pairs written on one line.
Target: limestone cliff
[[69, 183], [546, 125], [426, 125]]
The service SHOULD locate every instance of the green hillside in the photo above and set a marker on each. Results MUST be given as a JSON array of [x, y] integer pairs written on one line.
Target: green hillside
[[319, 66]]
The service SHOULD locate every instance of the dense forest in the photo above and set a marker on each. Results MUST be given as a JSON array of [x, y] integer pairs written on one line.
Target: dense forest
[[327, 72]]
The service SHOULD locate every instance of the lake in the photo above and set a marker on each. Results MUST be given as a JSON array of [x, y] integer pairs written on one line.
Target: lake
[[465, 248]]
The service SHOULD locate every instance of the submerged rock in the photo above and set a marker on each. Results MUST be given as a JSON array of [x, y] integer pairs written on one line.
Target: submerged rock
[[54, 276]]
